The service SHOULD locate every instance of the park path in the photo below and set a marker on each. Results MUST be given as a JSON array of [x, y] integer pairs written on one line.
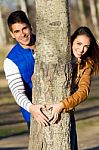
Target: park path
[[88, 135], [87, 119], [89, 141], [18, 142]]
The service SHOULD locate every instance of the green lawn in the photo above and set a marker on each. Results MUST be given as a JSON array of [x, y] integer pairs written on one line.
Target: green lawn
[[6, 98]]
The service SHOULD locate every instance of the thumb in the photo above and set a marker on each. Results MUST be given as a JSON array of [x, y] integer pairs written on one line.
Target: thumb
[[51, 117], [50, 107], [43, 106]]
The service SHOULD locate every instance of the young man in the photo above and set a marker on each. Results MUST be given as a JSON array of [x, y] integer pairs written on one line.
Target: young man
[[19, 67]]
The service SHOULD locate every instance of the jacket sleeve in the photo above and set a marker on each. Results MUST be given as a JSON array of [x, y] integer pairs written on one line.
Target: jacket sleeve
[[81, 94], [16, 84]]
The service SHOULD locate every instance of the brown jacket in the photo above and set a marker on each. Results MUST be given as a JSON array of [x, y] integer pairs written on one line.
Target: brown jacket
[[82, 82]]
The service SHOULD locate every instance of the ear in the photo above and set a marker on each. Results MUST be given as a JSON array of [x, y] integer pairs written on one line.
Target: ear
[[11, 33]]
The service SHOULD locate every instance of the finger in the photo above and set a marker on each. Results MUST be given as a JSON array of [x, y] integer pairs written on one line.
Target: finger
[[49, 107], [39, 122], [43, 106], [44, 122], [41, 119], [55, 118], [51, 118], [44, 117]]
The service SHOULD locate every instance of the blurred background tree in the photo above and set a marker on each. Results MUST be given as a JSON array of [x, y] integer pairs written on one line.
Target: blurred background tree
[[83, 12], [86, 13]]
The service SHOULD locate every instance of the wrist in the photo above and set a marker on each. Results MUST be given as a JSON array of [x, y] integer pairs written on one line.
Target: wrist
[[31, 108], [62, 105]]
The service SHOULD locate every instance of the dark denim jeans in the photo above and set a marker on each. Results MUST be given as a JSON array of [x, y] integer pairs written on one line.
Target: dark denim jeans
[[28, 125], [73, 134]]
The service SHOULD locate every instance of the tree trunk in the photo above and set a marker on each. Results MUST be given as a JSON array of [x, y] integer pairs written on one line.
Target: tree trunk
[[52, 73], [97, 7], [94, 17], [22, 4], [81, 12], [3, 39]]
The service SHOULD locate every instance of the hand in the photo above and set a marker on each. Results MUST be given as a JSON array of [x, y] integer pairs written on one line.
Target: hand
[[36, 112], [56, 110]]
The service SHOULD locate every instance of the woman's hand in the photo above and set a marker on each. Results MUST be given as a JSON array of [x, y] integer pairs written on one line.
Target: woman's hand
[[36, 113], [56, 110]]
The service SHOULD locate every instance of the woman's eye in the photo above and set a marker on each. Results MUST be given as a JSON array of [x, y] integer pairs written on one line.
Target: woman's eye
[[78, 43], [87, 47], [25, 28]]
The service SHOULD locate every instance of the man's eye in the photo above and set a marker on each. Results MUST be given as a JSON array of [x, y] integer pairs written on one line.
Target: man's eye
[[25, 28], [16, 31]]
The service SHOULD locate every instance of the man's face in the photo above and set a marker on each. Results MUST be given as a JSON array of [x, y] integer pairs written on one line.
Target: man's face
[[22, 33]]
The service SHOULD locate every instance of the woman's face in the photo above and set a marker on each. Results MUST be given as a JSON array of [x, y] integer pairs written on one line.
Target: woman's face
[[80, 45]]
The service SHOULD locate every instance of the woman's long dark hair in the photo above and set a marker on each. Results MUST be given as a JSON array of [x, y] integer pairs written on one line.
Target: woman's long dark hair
[[93, 50]]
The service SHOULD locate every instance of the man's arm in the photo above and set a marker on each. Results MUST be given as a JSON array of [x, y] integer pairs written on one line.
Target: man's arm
[[17, 88], [15, 83]]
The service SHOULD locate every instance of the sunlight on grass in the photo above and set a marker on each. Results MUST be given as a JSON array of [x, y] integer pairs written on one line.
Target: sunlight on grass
[[3, 52], [86, 123], [12, 130], [8, 100]]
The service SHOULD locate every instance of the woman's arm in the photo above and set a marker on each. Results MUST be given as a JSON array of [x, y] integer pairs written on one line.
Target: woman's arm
[[75, 99], [81, 94]]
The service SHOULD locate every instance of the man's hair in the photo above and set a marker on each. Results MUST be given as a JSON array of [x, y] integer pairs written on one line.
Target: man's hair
[[18, 16]]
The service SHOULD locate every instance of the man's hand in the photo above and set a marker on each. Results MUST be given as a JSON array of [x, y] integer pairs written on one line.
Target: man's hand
[[36, 113]]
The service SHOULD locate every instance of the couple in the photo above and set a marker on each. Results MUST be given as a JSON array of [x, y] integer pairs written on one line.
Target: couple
[[18, 70]]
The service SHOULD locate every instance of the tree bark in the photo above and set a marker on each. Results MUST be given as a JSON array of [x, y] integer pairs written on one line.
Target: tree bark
[[52, 73]]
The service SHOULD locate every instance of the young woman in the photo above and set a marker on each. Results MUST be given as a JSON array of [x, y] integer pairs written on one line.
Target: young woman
[[85, 62]]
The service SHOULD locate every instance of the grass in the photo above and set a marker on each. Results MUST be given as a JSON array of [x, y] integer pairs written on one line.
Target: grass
[[7, 100], [9, 130], [3, 52], [87, 123]]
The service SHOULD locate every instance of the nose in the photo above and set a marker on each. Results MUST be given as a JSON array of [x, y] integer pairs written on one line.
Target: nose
[[22, 33], [82, 49]]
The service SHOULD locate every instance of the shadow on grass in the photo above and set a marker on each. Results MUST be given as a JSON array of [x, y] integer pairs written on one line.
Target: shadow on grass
[[87, 113], [94, 148], [14, 148], [10, 114], [8, 108], [5, 92], [15, 134], [2, 74]]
